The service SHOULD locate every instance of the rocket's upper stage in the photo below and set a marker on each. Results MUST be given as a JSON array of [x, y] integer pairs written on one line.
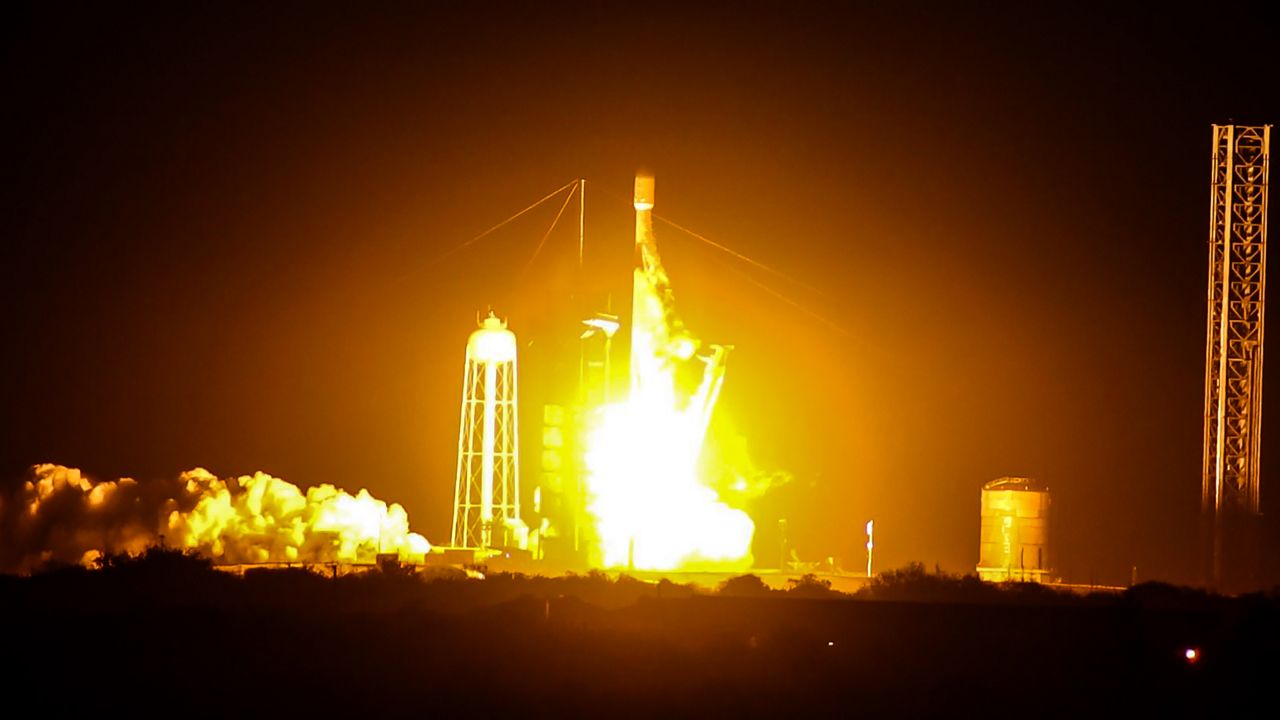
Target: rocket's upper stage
[[644, 191]]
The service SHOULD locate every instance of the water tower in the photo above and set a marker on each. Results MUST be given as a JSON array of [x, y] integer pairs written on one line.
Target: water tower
[[486, 510]]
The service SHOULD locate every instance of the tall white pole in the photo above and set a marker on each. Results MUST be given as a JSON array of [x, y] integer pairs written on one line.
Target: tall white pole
[[870, 545], [582, 222], [486, 467]]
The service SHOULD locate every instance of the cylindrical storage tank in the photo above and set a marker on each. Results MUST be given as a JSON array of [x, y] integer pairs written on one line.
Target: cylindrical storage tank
[[492, 343], [1014, 541]]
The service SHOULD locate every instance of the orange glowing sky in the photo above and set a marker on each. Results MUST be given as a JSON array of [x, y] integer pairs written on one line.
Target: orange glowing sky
[[227, 234]]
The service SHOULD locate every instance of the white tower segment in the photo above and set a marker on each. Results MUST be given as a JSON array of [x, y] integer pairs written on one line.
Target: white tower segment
[[486, 511]]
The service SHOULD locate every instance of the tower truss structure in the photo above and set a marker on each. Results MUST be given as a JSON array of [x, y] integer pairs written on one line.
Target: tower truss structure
[[486, 511], [1233, 353]]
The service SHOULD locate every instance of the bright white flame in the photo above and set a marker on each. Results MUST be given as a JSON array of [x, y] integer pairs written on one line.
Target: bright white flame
[[651, 509]]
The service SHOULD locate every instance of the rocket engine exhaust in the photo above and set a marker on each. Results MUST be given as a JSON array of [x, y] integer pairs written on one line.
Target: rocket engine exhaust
[[62, 516], [651, 508]]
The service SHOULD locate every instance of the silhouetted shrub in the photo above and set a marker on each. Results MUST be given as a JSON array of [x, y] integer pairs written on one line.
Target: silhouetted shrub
[[745, 586], [812, 586], [915, 583], [157, 561], [670, 590], [1158, 595]]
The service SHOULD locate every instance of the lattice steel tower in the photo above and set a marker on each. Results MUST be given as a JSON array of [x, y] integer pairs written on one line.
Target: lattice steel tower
[[1233, 354], [486, 510]]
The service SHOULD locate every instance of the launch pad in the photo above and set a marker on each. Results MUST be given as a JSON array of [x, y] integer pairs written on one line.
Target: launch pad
[[590, 514], [619, 481], [620, 484]]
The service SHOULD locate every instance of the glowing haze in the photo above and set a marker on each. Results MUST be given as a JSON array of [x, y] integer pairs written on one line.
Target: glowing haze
[[62, 516], [651, 507]]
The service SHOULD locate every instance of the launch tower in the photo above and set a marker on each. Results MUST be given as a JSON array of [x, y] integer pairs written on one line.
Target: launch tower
[[1233, 354]]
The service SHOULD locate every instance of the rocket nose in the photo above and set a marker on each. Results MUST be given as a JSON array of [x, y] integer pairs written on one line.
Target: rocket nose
[[644, 191]]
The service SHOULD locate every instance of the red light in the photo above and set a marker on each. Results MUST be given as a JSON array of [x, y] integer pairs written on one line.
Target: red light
[[1191, 654]]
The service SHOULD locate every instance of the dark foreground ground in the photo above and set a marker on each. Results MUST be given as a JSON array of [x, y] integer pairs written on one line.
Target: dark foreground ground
[[167, 636]]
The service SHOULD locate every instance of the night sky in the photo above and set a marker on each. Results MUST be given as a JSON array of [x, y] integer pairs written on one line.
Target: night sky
[[226, 231]]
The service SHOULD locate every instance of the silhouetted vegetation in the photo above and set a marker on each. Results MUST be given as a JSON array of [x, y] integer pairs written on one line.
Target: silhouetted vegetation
[[745, 586], [914, 583], [147, 634], [811, 586]]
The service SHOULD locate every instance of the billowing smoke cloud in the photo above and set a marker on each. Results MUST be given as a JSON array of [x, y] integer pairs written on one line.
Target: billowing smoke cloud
[[59, 515]]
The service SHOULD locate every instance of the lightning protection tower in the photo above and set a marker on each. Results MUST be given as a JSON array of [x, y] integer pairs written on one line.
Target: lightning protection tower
[[1233, 354], [486, 511]]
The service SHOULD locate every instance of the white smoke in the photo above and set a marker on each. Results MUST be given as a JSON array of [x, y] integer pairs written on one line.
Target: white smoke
[[61, 516]]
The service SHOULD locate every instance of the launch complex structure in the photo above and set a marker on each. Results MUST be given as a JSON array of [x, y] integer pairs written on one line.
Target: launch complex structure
[[1230, 491], [487, 517]]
